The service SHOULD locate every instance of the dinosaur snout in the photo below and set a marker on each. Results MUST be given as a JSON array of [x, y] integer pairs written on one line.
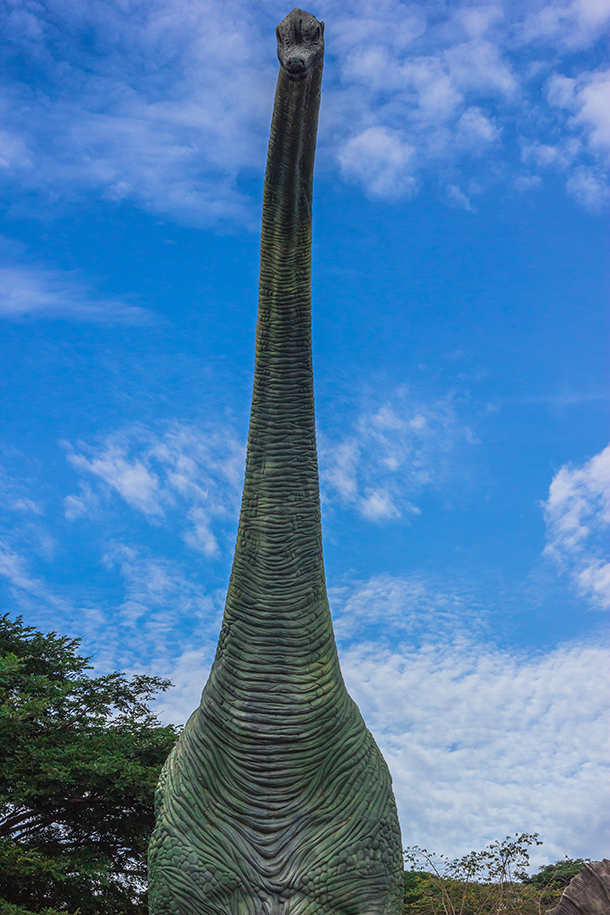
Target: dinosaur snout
[[296, 66]]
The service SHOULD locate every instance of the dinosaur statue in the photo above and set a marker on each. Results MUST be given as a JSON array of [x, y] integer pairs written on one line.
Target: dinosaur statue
[[276, 799], [588, 893]]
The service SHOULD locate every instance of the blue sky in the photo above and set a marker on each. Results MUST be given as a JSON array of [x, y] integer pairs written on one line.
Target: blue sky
[[460, 302]]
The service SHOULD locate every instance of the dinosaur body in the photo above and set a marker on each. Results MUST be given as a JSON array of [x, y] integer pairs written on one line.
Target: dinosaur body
[[276, 800]]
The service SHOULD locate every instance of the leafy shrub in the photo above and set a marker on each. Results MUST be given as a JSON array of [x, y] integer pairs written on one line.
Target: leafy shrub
[[480, 883]]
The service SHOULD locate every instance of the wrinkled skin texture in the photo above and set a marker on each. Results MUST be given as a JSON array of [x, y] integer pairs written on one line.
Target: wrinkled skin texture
[[588, 893], [276, 800]]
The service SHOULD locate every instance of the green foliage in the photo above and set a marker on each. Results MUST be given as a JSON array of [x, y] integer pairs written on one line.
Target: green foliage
[[415, 882], [7, 908], [81, 756], [557, 875], [481, 883]]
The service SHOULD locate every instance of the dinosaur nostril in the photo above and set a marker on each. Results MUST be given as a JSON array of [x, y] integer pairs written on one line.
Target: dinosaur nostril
[[296, 64]]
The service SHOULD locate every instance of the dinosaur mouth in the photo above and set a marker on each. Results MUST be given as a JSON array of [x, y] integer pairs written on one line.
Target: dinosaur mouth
[[298, 66]]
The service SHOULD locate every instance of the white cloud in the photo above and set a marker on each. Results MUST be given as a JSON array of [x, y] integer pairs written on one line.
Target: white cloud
[[163, 112], [560, 155], [30, 291], [479, 64], [483, 743], [589, 188], [583, 156], [394, 451], [131, 479], [476, 131], [526, 183], [78, 506], [593, 109], [197, 472], [27, 505], [13, 152], [172, 107], [577, 514], [30, 591], [573, 24], [163, 610], [387, 608], [560, 90], [378, 505], [586, 183], [15, 495], [458, 198], [427, 105], [13, 567], [36, 292], [379, 158]]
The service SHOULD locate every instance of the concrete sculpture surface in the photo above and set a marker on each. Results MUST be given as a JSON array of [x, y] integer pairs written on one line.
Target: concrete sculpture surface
[[588, 893], [276, 799]]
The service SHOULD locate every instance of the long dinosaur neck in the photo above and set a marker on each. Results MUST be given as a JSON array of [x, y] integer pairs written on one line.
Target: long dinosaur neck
[[276, 800], [277, 581]]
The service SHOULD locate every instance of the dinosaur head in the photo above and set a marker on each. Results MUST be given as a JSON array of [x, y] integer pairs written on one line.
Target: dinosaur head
[[300, 43]]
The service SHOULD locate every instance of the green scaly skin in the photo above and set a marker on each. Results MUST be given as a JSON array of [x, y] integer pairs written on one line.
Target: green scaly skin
[[276, 800]]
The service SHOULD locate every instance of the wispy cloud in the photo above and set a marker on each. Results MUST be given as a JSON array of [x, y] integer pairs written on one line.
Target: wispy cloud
[[485, 743], [577, 514], [582, 151], [28, 590], [394, 451], [418, 90], [13, 567], [162, 611], [198, 471], [387, 608], [426, 90], [167, 105], [138, 606], [163, 107], [381, 159], [15, 495], [571, 24], [37, 292]]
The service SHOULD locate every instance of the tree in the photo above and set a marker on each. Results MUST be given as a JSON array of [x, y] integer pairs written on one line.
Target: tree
[[80, 759], [480, 883], [556, 875]]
